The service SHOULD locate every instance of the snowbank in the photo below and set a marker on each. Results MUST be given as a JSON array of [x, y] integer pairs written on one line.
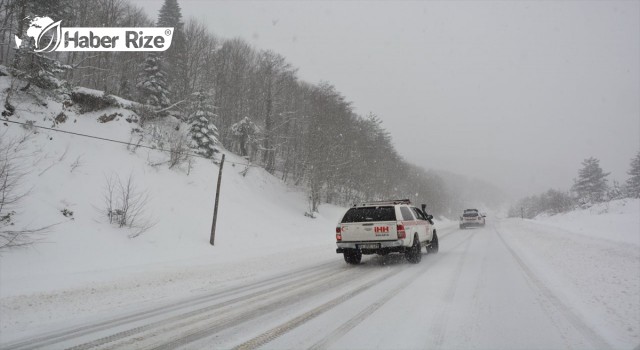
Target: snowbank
[[617, 220]]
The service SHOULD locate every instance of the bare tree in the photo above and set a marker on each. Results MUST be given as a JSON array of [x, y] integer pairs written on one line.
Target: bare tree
[[76, 163], [132, 202], [126, 204], [11, 193], [201, 47], [178, 148], [170, 137], [11, 175], [110, 197], [235, 63], [274, 73]]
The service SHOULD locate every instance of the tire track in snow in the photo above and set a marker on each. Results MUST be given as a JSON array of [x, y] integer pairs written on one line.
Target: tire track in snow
[[296, 322], [439, 327], [50, 339], [567, 312], [476, 313], [222, 313], [282, 302], [348, 325], [447, 231]]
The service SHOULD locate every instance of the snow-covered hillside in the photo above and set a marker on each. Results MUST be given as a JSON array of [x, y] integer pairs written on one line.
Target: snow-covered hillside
[[258, 214]]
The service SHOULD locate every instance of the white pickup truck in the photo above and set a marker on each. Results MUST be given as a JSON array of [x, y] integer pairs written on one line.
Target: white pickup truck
[[384, 227]]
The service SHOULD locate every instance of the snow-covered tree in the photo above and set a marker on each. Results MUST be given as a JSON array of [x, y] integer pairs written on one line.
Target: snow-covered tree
[[632, 186], [591, 184], [204, 134], [556, 202], [615, 191], [152, 84], [244, 133], [37, 68]]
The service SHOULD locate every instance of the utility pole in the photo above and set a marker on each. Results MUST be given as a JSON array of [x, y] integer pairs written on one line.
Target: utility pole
[[215, 208]]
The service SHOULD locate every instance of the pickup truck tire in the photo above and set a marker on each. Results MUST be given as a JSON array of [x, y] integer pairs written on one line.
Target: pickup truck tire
[[414, 254], [352, 256], [434, 246]]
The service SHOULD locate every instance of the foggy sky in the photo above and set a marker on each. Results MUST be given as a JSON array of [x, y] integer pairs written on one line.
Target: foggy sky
[[515, 93]]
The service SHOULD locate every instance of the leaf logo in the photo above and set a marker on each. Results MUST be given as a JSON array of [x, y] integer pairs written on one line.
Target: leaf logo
[[44, 35], [54, 40]]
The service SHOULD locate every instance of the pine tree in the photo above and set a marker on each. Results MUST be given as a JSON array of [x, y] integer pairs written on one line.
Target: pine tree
[[170, 14], [204, 134], [37, 68], [632, 186], [174, 59], [152, 84], [591, 184]]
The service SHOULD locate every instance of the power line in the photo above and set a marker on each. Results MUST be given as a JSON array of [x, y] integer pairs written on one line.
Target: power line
[[115, 141]]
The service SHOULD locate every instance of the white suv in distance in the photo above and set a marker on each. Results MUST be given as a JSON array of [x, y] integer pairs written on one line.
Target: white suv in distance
[[385, 227], [471, 217]]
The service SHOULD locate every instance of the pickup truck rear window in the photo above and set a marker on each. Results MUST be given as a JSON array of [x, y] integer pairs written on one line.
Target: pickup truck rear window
[[470, 215], [366, 214]]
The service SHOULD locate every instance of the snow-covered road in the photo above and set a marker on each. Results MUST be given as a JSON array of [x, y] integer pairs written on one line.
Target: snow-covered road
[[512, 284]]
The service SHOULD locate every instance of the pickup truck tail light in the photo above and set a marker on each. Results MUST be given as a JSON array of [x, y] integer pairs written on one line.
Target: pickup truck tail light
[[338, 234], [401, 232]]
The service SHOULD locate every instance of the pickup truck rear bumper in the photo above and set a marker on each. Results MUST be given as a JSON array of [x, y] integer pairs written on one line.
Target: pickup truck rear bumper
[[384, 247]]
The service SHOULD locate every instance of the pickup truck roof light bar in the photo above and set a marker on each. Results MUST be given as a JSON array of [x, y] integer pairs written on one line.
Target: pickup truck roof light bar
[[379, 203]]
